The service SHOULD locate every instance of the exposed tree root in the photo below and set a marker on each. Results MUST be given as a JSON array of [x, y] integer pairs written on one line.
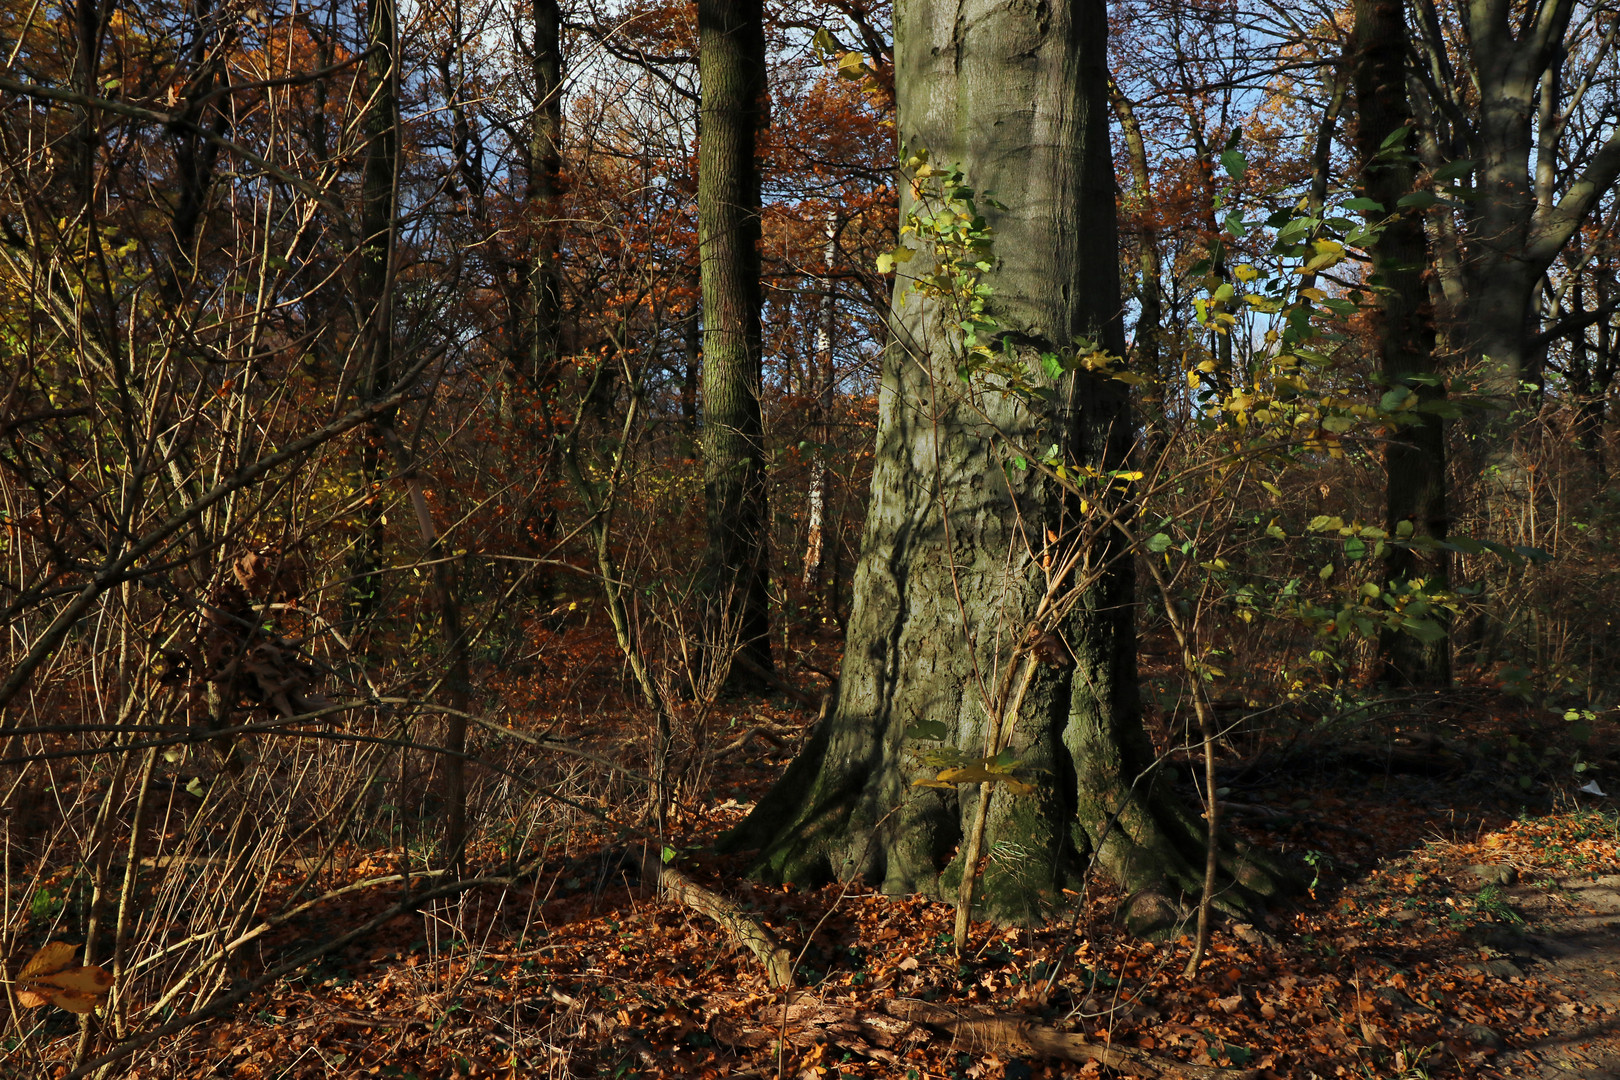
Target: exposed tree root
[[743, 928]]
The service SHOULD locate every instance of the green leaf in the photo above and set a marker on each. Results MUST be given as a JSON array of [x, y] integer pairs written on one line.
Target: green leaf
[[1326, 572], [1419, 200], [1158, 543], [1338, 425], [1453, 171], [1425, 630], [1395, 398], [1298, 227], [1234, 163], [195, 787], [930, 730], [668, 855], [1052, 366], [1363, 203], [1395, 138], [1355, 548]]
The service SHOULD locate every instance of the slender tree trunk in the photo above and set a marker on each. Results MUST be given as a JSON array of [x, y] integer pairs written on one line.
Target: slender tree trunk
[[952, 585], [1321, 151], [731, 46], [373, 277], [691, 369], [535, 364], [374, 283], [1581, 381], [1150, 317], [1415, 455], [544, 188], [823, 374]]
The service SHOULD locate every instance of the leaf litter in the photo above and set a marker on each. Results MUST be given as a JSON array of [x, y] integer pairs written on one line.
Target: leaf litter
[[1440, 938]]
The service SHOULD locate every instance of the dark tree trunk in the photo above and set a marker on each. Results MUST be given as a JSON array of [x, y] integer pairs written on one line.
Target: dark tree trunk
[[1022, 105], [544, 187], [373, 274], [731, 46], [1596, 374], [1415, 455]]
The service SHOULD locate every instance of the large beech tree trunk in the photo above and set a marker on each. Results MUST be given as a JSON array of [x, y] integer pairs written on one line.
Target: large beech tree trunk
[[731, 47], [1020, 103], [1414, 456]]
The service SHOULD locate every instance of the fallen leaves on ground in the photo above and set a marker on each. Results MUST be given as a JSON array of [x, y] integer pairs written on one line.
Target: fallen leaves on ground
[[1387, 969]]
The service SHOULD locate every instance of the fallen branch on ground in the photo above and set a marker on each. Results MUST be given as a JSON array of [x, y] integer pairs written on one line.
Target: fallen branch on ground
[[889, 1028], [1026, 1037]]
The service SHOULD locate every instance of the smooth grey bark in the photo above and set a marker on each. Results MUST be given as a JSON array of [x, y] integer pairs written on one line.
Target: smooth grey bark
[[1019, 100], [731, 67], [1403, 320]]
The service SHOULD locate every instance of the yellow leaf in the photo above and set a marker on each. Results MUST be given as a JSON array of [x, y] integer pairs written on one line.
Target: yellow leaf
[[84, 980], [48, 961], [46, 980], [978, 774]]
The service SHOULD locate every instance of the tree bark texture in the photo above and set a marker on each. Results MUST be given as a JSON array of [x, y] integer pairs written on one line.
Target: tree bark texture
[[954, 561], [731, 47], [1415, 455]]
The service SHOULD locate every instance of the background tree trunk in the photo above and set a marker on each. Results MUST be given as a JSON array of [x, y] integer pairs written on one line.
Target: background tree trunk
[[544, 186], [731, 47], [951, 577], [819, 390], [1150, 317], [1414, 456], [373, 275]]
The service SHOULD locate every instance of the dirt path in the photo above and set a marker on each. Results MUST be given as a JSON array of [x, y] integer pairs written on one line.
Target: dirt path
[[1571, 944]]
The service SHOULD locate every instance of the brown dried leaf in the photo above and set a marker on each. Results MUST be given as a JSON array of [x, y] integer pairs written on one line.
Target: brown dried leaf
[[48, 960], [46, 980]]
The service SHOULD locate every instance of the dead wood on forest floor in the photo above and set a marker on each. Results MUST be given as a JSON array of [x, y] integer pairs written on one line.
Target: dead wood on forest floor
[[886, 1028]]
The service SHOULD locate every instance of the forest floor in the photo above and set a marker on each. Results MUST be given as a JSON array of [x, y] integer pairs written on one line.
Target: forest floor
[[1464, 922]]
